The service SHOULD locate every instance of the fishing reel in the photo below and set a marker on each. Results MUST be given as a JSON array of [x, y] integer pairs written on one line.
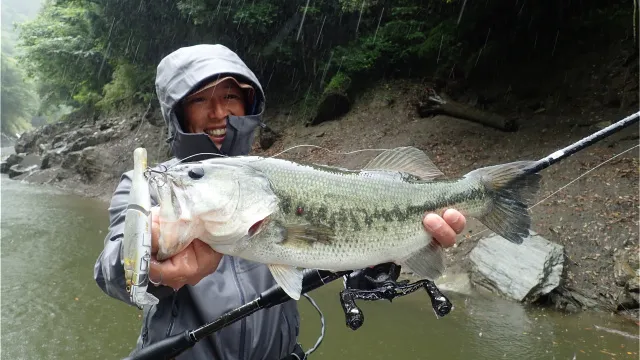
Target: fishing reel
[[380, 283]]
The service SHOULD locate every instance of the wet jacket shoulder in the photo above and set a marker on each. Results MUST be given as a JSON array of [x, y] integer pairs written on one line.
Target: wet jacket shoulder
[[267, 334]]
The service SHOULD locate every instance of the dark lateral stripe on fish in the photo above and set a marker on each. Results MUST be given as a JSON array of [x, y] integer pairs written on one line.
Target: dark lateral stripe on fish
[[353, 218], [139, 208]]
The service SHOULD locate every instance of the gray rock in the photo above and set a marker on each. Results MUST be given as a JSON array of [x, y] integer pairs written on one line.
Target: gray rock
[[93, 140], [13, 159], [627, 300], [92, 163], [520, 272], [71, 159], [51, 158], [17, 170], [622, 271]]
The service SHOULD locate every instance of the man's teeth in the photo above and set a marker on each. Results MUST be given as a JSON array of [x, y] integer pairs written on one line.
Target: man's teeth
[[217, 132]]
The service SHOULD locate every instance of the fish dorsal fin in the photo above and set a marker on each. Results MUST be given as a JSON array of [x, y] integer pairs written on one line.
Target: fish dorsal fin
[[406, 159]]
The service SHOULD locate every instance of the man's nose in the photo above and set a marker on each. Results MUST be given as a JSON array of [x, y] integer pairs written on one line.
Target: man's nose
[[218, 110]]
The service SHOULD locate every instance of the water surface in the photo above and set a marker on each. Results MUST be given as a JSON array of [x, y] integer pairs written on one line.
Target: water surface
[[52, 308]]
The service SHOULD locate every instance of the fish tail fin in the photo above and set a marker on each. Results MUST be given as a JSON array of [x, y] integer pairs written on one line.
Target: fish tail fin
[[510, 188]]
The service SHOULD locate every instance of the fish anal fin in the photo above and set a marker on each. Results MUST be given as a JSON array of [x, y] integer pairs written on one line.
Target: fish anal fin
[[289, 278], [406, 159], [427, 263]]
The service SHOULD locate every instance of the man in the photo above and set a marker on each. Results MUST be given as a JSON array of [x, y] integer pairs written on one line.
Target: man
[[212, 103]]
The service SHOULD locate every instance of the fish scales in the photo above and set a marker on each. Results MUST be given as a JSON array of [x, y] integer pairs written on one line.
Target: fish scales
[[375, 217]]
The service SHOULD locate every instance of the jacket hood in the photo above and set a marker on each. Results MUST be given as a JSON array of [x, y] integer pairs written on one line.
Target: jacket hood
[[187, 68]]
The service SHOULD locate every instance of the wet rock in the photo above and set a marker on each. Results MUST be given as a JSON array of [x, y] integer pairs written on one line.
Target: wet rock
[[633, 284], [626, 300], [13, 159], [331, 107], [52, 158], [71, 159], [27, 142], [93, 162], [572, 300], [96, 138], [521, 272], [267, 137], [18, 169], [622, 271], [335, 101]]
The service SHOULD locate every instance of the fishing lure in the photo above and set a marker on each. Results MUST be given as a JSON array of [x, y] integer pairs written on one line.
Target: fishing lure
[[137, 235]]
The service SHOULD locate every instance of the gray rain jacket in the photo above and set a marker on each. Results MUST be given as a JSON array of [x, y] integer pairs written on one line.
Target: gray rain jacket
[[267, 334]]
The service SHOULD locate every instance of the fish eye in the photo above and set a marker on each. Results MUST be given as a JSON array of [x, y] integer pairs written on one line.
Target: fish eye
[[196, 173]]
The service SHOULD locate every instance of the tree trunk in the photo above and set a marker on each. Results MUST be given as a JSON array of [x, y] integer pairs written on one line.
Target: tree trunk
[[435, 105]]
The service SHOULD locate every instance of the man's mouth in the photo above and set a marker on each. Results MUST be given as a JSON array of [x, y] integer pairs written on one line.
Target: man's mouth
[[216, 133]]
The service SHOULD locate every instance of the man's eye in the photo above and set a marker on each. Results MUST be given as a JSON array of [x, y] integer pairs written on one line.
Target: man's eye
[[198, 99], [232, 97]]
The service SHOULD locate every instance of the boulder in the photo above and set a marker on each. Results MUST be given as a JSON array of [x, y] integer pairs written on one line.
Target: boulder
[[92, 140], [622, 270], [13, 159], [52, 158], [334, 101], [18, 169], [520, 272], [71, 159], [92, 162]]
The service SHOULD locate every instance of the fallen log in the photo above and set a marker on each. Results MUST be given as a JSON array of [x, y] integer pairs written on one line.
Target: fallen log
[[435, 105]]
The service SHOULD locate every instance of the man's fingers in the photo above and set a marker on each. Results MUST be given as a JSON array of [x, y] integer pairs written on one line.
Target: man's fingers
[[439, 229], [455, 219], [207, 258]]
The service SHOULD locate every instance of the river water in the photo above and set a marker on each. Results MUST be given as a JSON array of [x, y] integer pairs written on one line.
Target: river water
[[52, 308]]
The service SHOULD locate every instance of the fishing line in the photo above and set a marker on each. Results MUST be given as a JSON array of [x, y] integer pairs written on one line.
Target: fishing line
[[568, 184], [579, 177], [327, 150], [322, 330]]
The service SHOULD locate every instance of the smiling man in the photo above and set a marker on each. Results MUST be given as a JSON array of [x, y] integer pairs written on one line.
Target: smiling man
[[207, 108], [212, 103]]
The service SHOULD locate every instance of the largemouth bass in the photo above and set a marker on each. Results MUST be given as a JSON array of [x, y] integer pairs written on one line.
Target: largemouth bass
[[292, 216]]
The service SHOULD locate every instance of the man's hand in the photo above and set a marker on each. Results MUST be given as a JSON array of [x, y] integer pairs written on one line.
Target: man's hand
[[186, 267], [444, 229]]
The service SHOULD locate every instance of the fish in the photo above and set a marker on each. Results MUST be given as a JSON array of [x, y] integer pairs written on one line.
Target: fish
[[136, 242], [293, 216]]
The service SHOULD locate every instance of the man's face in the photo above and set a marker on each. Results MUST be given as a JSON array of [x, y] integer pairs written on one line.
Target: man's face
[[206, 111]]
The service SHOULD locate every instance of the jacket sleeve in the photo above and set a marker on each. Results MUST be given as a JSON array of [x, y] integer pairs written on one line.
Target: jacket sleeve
[[108, 271]]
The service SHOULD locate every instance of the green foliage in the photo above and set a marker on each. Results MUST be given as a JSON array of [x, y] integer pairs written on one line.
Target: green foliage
[[339, 83], [255, 19], [18, 104], [63, 56], [131, 83], [104, 53]]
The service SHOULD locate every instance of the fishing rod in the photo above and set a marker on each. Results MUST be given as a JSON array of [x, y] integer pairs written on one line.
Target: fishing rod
[[583, 143], [177, 344], [314, 279]]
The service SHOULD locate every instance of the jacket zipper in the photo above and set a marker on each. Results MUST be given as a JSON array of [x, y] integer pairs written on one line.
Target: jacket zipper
[[243, 322]]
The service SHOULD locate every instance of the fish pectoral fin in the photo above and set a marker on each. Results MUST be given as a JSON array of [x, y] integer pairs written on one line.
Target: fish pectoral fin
[[308, 234], [406, 159], [427, 262], [289, 278]]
